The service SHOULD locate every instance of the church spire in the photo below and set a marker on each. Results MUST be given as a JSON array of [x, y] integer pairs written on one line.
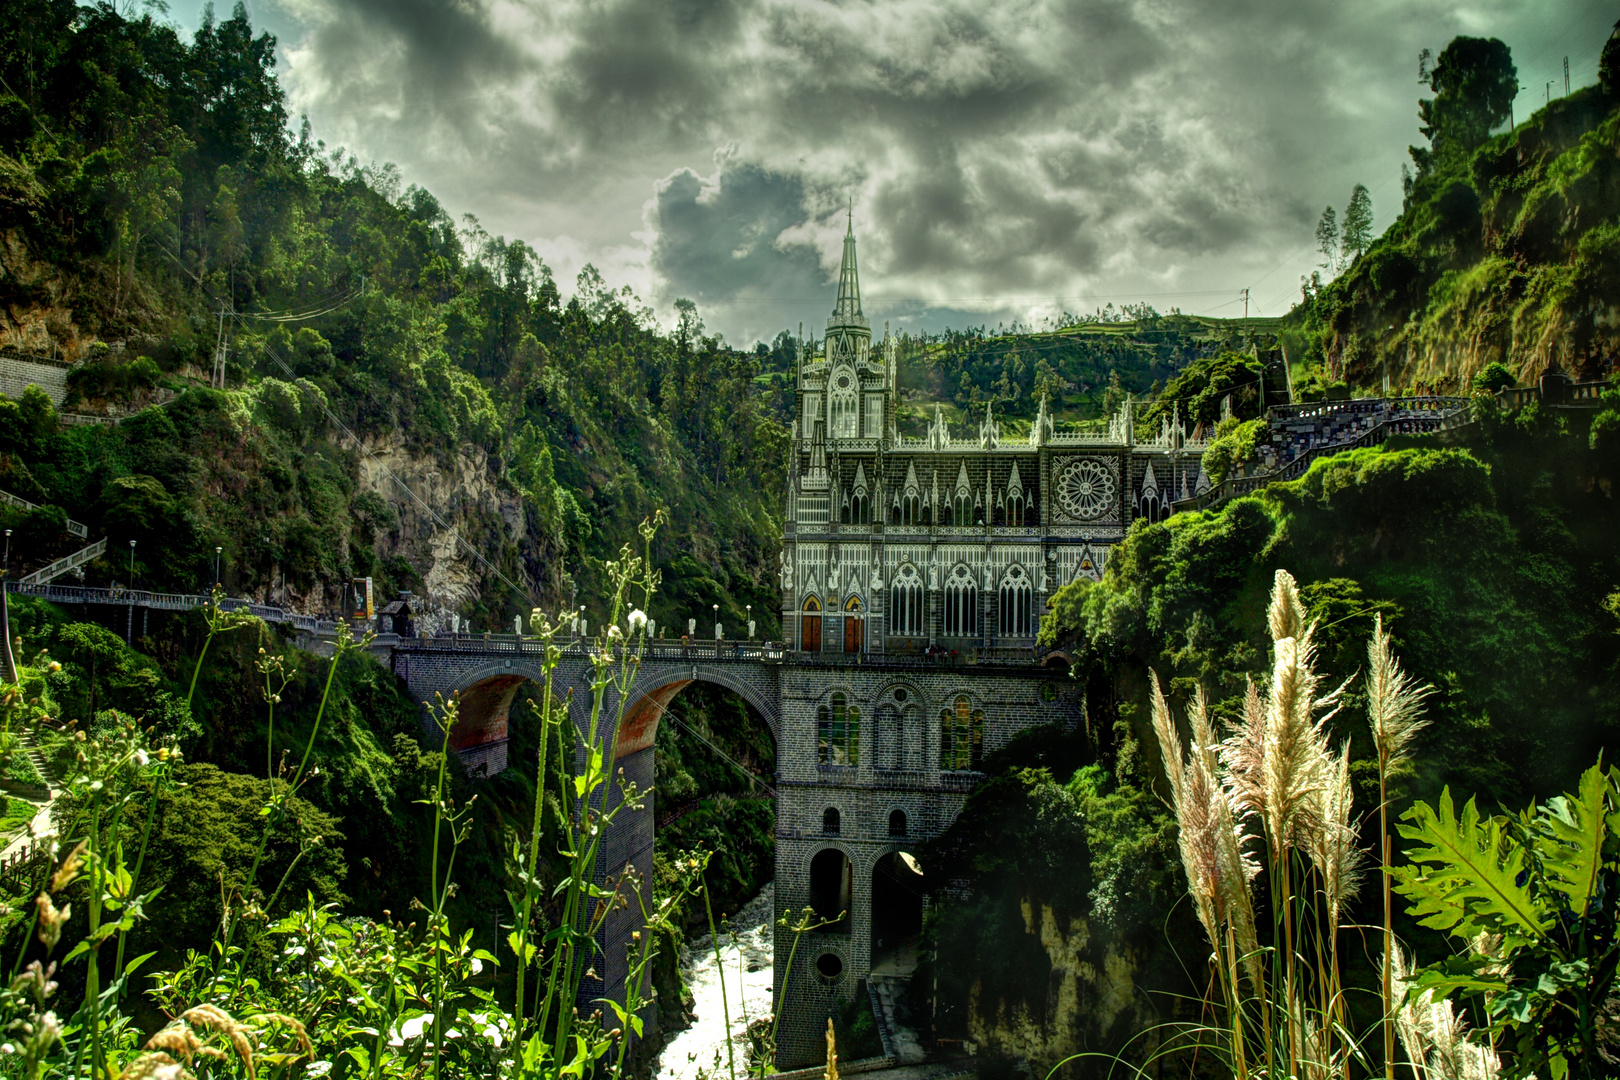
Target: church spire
[[849, 279]]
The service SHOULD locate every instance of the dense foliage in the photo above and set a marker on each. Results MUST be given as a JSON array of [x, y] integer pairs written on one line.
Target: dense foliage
[[1505, 250], [145, 181]]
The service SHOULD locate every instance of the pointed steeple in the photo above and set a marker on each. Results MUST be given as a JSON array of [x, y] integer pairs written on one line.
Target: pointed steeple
[[846, 313], [849, 279]]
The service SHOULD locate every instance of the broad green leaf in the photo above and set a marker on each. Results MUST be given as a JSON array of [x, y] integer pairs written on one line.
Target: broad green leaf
[[1569, 836], [1466, 877]]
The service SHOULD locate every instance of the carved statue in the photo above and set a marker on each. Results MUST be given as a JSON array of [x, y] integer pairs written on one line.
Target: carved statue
[[877, 576], [787, 572], [933, 575]]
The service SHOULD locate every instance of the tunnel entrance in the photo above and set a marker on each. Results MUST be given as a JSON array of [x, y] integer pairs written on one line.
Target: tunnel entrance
[[832, 888], [897, 916]]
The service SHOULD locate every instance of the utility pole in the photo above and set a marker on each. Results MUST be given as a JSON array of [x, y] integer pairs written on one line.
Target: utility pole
[[1245, 303], [1549, 91], [1566, 76], [219, 352]]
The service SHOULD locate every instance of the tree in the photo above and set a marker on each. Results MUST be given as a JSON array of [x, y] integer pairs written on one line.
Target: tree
[[1609, 64], [1474, 83], [1358, 221], [1327, 239]]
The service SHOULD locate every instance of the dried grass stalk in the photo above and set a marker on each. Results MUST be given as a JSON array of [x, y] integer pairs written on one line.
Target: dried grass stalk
[[1332, 847], [1394, 700]]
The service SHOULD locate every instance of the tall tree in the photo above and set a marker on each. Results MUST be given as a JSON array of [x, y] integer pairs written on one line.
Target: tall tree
[[1327, 239], [1358, 221], [1474, 83]]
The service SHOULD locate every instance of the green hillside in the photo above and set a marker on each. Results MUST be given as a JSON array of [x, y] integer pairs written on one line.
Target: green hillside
[[145, 182], [1507, 249]]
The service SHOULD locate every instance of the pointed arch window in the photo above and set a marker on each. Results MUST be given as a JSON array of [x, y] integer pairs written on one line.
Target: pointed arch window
[[961, 735], [810, 625], [838, 732], [961, 604], [906, 603], [845, 410], [1016, 604]]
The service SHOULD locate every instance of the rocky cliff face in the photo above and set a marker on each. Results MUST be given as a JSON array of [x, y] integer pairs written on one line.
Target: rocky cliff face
[[440, 509], [1090, 996], [35, 313]]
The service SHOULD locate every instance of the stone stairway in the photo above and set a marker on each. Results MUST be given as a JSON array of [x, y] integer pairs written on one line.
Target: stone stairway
[[61, 566], [891, 1009], [40, 828]]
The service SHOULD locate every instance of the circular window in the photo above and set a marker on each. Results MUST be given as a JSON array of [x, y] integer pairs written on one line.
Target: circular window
[[843, 382], [830, 965], [900, 694], [1086, 489]]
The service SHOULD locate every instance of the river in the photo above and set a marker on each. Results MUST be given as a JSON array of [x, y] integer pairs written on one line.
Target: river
[[747, 960]]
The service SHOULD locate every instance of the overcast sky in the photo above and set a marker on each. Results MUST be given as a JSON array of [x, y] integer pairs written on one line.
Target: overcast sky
[[1005, 160]]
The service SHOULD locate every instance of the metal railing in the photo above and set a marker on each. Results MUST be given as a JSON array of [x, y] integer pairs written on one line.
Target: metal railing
[[19, 503], [158, 601], [1425, 422], [46, 574]]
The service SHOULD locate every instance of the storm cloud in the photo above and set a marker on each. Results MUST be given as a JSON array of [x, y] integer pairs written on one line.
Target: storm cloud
[[1004, 161]]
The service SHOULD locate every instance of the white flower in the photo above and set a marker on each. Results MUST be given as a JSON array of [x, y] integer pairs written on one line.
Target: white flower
[[615, 633], [638, 621], [140, 759]]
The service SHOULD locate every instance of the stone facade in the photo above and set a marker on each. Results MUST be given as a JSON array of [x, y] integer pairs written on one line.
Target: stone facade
[[897, 544], [926, 781]]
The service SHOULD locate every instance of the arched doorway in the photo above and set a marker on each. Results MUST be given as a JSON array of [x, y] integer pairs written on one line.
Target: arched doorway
[[897, 914], [810, 625], [832, 888], [854, 626]]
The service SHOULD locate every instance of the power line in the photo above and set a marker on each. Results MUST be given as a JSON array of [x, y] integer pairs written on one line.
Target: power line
[[337, 422]]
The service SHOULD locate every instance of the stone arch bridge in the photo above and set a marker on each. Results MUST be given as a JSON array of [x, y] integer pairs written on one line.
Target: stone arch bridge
[[874, 754]]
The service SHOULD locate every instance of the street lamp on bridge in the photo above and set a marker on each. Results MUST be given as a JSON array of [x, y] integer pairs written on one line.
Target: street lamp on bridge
[[217, 550], [130, 583]]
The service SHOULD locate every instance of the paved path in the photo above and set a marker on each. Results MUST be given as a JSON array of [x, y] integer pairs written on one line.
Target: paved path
[[40, 827]]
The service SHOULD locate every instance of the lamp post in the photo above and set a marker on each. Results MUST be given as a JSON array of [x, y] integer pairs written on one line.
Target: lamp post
[[717, 622], [130, 584], [748, 613], [217, 551], [8, 553]]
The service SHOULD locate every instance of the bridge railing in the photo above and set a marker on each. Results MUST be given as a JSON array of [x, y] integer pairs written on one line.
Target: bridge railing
[[115, 595], [657, 649]]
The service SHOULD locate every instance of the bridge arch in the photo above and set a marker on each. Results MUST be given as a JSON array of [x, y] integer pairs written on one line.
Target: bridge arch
[[655, 686]]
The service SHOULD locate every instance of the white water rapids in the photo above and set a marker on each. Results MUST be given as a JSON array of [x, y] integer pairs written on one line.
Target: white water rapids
[[747, 962]]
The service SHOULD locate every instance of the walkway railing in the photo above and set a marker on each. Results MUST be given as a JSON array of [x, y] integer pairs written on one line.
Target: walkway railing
[[46, 574], [19, 503], [120, 597], [657, 649], [1425, 422]]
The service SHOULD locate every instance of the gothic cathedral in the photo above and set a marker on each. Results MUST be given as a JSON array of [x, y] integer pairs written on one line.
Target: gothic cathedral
[[900, 545]]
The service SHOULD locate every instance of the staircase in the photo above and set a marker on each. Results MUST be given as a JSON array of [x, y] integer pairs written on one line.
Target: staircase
[[891, 1008], [63, 565], [18, 503]]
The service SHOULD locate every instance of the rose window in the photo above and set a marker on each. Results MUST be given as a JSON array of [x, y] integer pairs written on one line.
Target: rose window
[[1086, 489]]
